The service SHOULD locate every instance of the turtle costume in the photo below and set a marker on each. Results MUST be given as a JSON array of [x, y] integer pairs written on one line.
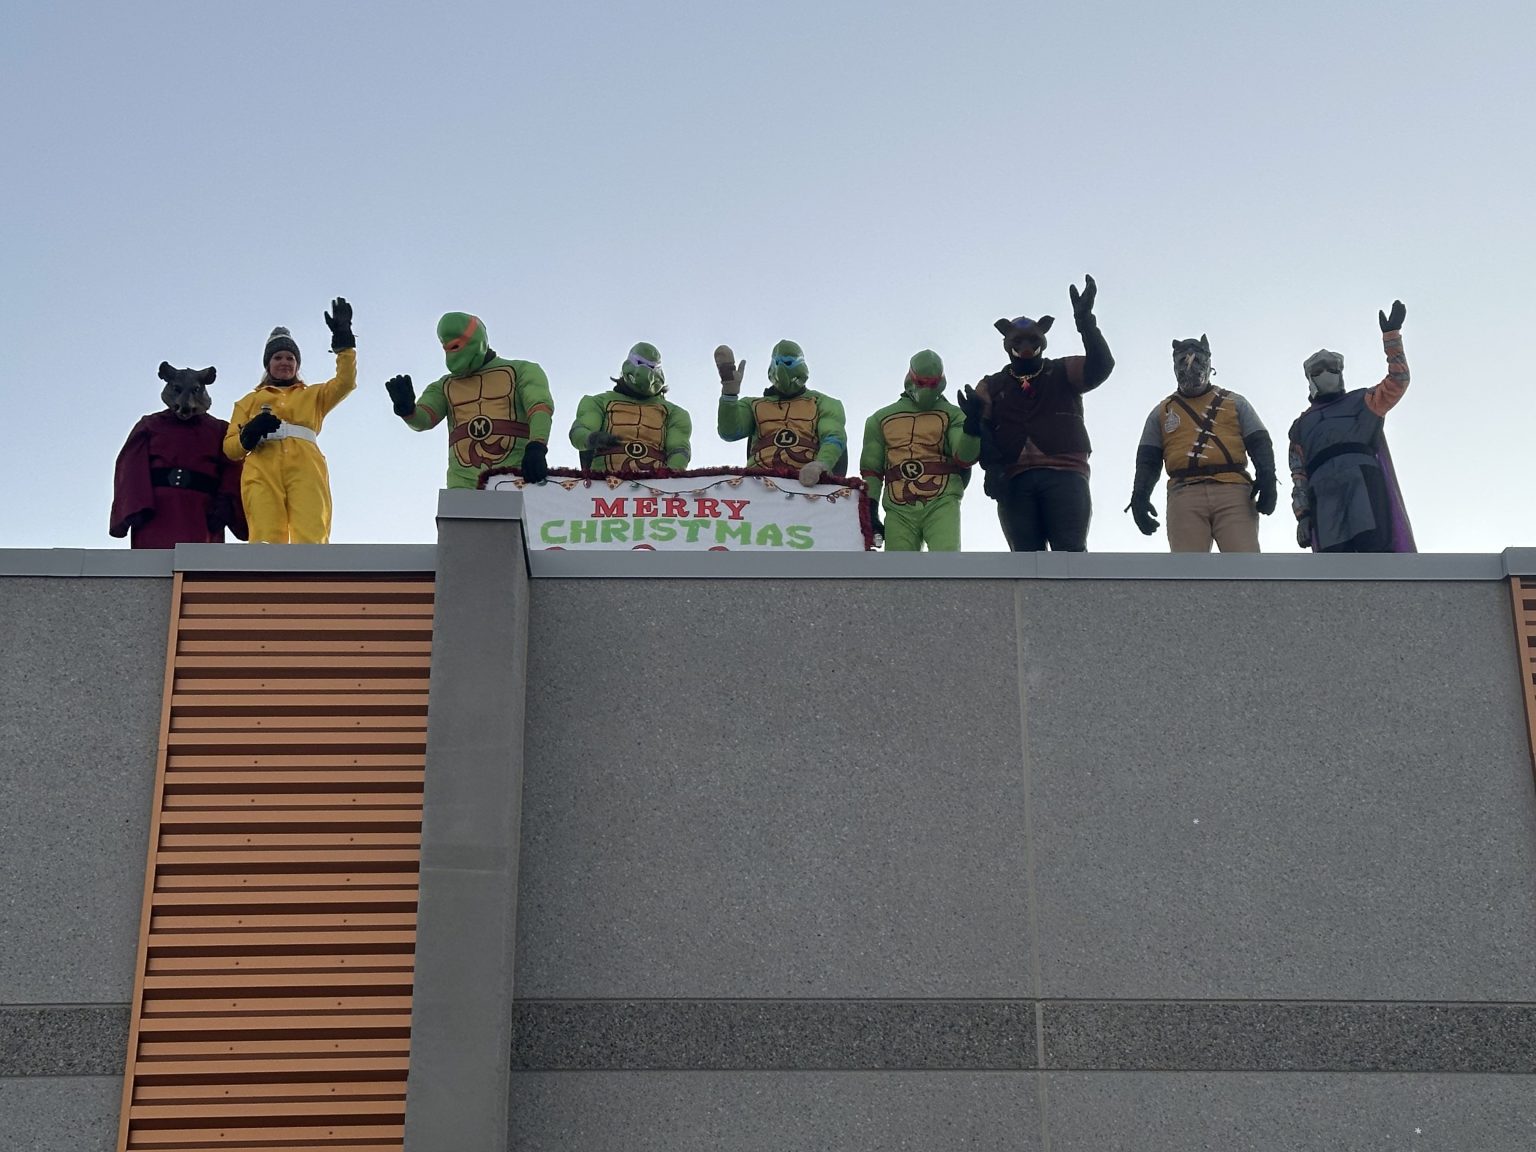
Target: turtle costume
[[1345, 492], [791, 428], [1206, 437], [633, 428], [285, 486], [916, 459], [501, 409]]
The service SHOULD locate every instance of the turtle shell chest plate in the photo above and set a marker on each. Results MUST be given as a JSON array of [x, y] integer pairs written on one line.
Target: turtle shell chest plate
[[914, 443], [786, 432], [483, 404], [643, 429]]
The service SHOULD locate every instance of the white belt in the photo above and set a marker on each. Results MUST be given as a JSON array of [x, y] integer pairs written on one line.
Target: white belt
[[287, 431]]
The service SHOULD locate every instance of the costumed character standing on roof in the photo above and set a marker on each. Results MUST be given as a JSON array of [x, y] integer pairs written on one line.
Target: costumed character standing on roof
[[276, 428], [633, 427], [1345, 493], [916, 459], [173, 484], [501, 409], [1035, 445], [791, 428], [1205, 436]]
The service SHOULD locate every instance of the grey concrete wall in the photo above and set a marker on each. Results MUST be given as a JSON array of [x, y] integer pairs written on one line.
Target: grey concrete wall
[[982, 863], [1015, 861], [82, 662]]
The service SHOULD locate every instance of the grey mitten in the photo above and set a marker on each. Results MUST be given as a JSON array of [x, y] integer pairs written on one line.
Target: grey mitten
[[731, 372]]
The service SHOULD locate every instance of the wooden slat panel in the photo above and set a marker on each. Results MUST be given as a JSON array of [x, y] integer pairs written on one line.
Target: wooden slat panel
[[254, 647], [303, 704], [269, 723], [339, 1069], [198, 683], [215, 799], [196, 608], [294, 743], [273, 995], [272, 1090], [274, 761], [247, 1049], [320, 1138], [302, 627], [387, 983], [350, 588], [1521, 589], [280, 881], [317, 962]]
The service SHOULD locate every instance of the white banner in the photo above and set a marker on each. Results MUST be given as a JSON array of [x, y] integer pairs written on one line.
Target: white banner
[[723, 510]]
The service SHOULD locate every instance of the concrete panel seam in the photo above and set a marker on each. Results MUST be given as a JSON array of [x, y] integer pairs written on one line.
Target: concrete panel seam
[[63, 1040], [763, 1035]]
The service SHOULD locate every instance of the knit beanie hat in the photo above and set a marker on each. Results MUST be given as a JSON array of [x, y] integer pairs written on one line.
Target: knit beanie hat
[[281, 340]]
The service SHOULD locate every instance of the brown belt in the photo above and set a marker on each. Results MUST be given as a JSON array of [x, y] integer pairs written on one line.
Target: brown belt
[[483, 428], [764, 443], [924, 468], [635, 450]]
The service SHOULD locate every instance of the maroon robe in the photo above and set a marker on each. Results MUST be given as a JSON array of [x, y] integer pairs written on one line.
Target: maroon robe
[[177, 515]]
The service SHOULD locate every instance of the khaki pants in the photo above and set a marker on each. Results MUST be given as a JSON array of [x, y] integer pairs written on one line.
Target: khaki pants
[[1207, 510]]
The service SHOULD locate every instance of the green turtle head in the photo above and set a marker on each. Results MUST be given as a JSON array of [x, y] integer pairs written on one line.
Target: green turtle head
[[925, 379], [466, 346], [641, 373], [787, 372]]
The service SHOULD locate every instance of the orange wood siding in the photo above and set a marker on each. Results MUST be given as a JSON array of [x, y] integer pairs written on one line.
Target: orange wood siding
[[1524, 591], [272, 1002]]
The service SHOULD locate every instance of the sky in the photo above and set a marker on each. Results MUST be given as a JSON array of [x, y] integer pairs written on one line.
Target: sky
[[868, 179]]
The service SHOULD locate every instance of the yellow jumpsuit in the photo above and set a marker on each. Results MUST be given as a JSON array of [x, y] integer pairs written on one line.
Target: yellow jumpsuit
[[284, 486]]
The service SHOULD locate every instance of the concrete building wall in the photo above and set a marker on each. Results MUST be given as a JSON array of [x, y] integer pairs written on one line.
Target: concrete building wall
[[991, 863], [1014, 862], [82, 662]]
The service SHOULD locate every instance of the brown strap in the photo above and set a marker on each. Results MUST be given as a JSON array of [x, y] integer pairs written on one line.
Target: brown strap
[[634, 450], [1205, 423], [483, 428], [763, 443], [929, 468]]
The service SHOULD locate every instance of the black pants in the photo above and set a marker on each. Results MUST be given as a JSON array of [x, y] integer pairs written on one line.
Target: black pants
[[1046, 506]]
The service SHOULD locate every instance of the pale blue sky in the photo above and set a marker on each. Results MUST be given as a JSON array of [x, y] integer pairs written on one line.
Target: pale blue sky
[[866, 178]]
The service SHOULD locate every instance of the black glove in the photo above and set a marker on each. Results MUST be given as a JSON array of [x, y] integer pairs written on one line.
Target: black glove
[[1394, 322], [339, 321], [602, 441], [1082, 302], [262, 425], [970, 403], [876, 525], [1262, 452], [536, 462], [1304, 533], [1149, 465], [1265, 494], [403, 393]]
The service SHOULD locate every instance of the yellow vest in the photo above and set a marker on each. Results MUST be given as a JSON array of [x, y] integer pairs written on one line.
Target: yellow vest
[[1202, 439]]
